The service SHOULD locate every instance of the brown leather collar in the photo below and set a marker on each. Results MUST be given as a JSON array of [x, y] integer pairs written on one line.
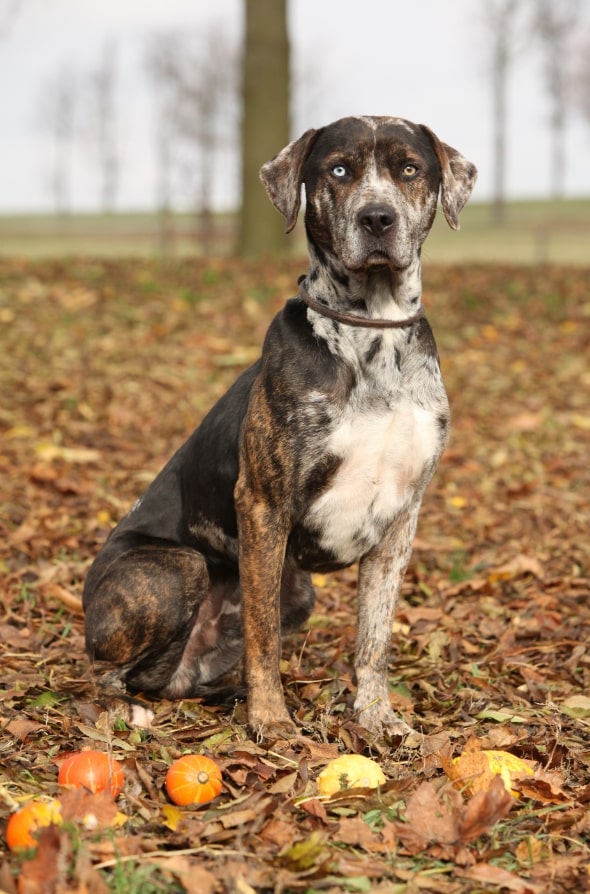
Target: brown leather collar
[[355, 319]]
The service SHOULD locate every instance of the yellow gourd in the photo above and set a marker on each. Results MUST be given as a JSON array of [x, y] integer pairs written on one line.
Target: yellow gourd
[[350, 771]]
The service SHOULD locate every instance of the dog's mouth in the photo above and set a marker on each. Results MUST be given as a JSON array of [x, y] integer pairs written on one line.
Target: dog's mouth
[[366, 254], [378, 258], [381, 258]]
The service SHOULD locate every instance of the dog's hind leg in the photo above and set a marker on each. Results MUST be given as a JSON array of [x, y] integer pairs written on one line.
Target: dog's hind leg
[[297, 598], [154, 612]]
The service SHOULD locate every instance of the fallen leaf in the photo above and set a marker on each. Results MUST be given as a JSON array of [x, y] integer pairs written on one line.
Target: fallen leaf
[[502, 879], [476, 768], [50, 452], [529, 851], [194, 879], [484, 809], [278, 832], [92, 810], [432, 816], [519, 565], [173, 817], [576, 706], [22, 729], [70, 600], [314, 807], [356, 832], [545, 786], [442, 818], [304, 854], [500, 716], [40, 874]]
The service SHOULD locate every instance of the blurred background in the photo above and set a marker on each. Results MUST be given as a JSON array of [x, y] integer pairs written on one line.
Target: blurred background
[[138, 126]]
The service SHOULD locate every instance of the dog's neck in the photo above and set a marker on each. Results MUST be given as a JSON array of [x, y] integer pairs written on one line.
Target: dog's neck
[[376, 293]]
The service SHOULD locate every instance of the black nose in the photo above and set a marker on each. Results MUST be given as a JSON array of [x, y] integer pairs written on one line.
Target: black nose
[[377, 219]]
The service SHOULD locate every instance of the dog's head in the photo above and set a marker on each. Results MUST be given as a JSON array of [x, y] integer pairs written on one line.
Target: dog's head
[[371, 185]]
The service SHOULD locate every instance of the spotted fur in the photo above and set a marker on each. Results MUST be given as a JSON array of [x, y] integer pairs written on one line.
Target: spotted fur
[[315, 459]]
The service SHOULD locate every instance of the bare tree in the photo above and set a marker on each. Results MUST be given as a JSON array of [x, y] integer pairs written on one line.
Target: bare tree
[[556, 24], [580, 82], [266, 119], [503, 18], [308, 86], [196, 78], [160, 63], [8, 12], [102, 125], [58, 111]]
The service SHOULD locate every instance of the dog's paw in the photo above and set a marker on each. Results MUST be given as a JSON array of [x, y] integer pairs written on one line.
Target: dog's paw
[[382, 721], [270, 721], [277, 731]]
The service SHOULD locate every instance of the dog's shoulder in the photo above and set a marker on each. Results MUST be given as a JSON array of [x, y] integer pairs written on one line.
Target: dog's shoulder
[[294, 358]]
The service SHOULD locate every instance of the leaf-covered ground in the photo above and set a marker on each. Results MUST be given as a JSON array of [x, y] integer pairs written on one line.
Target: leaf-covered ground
[[104, 369]]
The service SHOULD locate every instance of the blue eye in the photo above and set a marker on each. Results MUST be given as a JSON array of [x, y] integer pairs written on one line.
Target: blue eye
[[339, 171]]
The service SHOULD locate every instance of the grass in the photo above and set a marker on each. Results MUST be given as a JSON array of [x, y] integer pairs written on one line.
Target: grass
[[534, 232], [105, 235], [130, 877], [556, 232]]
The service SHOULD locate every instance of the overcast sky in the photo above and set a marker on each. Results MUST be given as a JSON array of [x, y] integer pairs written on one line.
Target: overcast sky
[[425, 60]]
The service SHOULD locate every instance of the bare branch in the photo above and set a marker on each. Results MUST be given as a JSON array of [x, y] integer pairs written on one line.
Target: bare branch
[[555, 25], [196, 84], [101, 124], [507, 34]]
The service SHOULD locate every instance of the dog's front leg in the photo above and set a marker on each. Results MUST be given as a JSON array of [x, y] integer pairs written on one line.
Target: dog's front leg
[[262, 552], [381, 573], [261, 501]]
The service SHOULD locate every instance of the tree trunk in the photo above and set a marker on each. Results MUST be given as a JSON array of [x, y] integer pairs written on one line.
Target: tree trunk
[[557, 25], [501, 17], [265, 124], [500, 87]]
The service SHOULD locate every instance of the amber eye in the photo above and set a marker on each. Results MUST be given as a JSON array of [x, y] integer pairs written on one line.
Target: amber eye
[[339, 171], [409, 171]]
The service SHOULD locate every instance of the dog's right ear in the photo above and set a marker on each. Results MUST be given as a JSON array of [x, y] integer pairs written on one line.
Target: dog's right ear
[[283, 175]]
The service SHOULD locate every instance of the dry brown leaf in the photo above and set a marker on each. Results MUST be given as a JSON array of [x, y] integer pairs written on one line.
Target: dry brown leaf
[[530, 850], [70, 600], [278, 832], [432, 816], [39, 875], [484, 809], [94, 810], [194, 879], [545, 786], [314, 807], [502, 879], [22, 729], [355, 831], [520, 564]]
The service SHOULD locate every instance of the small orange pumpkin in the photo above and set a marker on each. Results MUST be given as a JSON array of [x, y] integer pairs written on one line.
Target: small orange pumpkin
[[23, 824], [193, 779], [93, 770]]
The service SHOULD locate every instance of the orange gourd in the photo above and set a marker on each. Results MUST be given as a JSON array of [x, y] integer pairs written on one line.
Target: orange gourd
[[23, 824], [193, 779], [93, 770]]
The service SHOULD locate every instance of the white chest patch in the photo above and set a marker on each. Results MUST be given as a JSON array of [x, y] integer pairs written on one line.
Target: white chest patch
[[384, 455]]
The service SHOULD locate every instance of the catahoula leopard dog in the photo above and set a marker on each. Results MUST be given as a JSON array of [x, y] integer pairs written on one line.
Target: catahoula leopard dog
[[316, 458]]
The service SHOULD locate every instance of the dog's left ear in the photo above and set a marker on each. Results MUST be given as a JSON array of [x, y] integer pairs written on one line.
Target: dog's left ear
[[282, 177], [458, 176]]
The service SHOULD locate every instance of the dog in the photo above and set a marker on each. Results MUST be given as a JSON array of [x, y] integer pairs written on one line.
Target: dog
[[315, 459]]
